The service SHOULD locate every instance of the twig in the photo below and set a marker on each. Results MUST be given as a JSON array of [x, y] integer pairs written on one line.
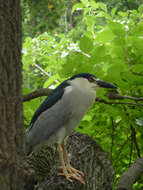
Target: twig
[[116, 96], [121, 148], [135, 140], [133, 133], [139, 74], [131, 149], [40, 68], [112, 136], [124, 103]]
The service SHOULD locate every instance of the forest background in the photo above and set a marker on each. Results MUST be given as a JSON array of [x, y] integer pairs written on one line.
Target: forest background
[[105, 38]]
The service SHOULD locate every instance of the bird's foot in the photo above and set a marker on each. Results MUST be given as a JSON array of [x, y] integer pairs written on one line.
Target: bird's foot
[[70, 172], [75, 171], [73, 176]]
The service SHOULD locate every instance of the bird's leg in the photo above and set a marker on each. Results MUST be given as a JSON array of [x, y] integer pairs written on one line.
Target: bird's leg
[[69, 168], [66, 171], [67, 161]]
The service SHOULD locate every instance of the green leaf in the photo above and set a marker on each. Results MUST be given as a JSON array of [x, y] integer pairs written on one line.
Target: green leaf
[[137, 29], [86, 44], [98, 5], [94, 5], [85, 3], [117, 28], [113, 11], [105, 35], [77, 6], [137, 68], [50, 81], [102, 6], [26, 90], [123, 14], [140, 8], [99, 53]]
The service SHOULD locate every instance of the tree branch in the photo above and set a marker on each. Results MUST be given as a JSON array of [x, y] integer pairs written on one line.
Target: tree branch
[[129, 177], [41, 69], [85, 154], [121, 148], [111, 95], [112, 136], [133, 133], [125, 103], [135, 140], [139, 74], [37, 93]]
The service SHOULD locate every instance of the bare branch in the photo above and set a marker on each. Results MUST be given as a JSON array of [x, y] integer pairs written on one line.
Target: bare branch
[[139, 74], [41, 69], [121, 148], [133, 133], [131, 150], [129, 177], [112, 136], [124, 103], [37, 93], [135, 140], [113, 95]]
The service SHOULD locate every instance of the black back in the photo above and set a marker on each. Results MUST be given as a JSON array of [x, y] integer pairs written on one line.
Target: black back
[[50, 101]]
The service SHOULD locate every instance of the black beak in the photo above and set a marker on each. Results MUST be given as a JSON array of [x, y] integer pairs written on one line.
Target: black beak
[[103, 84]]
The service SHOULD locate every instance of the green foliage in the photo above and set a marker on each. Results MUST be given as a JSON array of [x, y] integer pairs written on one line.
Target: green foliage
[[36, 13], [108, 44], [48, 15], [89, 44]]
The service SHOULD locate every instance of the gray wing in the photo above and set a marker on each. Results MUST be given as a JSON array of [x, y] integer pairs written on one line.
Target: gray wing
[[50, 122]]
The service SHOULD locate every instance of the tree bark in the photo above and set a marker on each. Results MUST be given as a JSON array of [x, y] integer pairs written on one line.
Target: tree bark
[[85, 154], [12, 138], [130, 176]]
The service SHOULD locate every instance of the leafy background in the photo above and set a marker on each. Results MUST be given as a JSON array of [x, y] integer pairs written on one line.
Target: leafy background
[[62, 38]]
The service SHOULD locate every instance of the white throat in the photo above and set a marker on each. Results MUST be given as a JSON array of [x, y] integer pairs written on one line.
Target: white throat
[[83, 85]]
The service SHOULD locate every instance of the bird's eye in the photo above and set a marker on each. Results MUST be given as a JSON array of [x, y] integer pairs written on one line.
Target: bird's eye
[[90, 79]]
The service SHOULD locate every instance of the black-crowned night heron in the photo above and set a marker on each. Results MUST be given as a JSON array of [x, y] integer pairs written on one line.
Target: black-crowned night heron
[[60, 113]]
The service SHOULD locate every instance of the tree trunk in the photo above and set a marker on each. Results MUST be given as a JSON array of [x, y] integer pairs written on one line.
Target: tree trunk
[[85, 155], [12, 138]]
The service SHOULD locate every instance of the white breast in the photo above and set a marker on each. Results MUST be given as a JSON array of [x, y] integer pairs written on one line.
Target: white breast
[[80, 99]]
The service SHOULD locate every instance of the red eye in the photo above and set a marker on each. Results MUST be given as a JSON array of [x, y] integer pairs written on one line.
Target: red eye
[[90, 79]]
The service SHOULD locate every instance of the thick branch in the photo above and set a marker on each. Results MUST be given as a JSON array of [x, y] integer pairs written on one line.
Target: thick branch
[[84, 154], [37, 93], [129, 177]]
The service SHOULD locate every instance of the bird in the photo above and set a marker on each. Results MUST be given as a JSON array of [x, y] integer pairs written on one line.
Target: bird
[[60, 113]]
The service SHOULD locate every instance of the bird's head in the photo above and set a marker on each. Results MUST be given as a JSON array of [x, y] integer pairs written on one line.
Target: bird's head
[[89, 81]]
